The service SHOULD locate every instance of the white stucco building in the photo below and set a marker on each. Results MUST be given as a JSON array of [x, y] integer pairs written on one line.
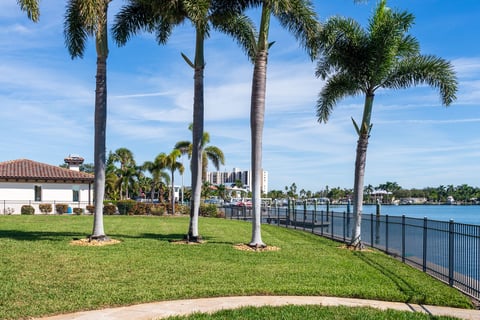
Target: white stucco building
[[244, 176], [29, 182]]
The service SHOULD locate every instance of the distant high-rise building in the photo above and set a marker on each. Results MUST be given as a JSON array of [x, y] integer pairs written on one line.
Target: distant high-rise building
[[232, 177]]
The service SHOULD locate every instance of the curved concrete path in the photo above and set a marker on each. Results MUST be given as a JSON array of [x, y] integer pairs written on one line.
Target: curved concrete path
[[160, 310]]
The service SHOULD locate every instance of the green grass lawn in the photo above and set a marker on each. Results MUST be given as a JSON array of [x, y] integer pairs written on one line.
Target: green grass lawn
[[41, 273], [310, 313]]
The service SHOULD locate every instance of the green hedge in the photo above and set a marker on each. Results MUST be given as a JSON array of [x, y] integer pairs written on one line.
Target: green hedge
[[125, 207]]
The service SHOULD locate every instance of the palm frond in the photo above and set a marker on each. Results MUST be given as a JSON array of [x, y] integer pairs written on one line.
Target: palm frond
[[300, 18], [428, 69], [338, 86], [31, 7], [75, 32], [215, 155], [239, 27]]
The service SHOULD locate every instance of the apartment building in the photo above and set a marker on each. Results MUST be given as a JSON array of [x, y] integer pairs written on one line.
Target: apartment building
[[231, 177]]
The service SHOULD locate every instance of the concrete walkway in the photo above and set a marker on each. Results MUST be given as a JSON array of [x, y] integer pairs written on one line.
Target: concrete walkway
[[160, 310]]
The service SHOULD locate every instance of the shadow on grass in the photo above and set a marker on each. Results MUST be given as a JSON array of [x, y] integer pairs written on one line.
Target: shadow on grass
[[38, 235], [401, 283]]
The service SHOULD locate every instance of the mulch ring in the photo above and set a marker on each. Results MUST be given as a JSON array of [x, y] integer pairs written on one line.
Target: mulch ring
[[246, 247], [186, 242], [86, 242]]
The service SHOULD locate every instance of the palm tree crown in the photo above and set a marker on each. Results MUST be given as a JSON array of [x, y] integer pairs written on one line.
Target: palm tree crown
[[31, 7]]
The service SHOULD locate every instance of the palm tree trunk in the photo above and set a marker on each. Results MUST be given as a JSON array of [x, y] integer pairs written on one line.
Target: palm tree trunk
[[360, 164], [197, 135], [98, 232], [173, 194], [257, 118]]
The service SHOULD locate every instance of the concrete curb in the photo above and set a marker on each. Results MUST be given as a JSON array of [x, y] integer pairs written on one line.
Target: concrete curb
[[163, 309]]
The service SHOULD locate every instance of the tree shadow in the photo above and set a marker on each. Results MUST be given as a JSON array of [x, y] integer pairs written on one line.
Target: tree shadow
[[22, 235], [402, 284]]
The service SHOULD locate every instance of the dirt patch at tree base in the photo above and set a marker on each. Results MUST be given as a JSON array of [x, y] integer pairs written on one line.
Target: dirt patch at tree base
[[246, 247], [93, 243]]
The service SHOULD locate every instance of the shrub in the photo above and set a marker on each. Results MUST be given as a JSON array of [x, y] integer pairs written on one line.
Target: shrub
[[126, 206], [61, 208], [109, 209], [8, 211], [182, 209], [208, 210], [157, 209], [27, 209], [91, 209], [45, 208], [78, 211], [140, 208]]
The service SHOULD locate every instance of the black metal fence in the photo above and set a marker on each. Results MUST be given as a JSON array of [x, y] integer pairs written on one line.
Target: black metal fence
[[447, 250]]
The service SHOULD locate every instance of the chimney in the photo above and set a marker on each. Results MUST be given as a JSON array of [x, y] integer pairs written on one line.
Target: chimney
[[74, 162]]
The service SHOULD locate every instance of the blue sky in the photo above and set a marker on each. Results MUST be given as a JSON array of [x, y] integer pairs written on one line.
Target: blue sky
[[47, 101]]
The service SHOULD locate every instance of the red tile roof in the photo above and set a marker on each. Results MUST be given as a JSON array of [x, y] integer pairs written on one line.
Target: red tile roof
[[24, 169]]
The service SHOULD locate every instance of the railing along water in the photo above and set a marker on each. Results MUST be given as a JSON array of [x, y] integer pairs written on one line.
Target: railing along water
[[447, 250]]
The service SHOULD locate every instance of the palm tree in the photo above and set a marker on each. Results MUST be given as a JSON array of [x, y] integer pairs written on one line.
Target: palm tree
[[31, 7], [84, 19], [299, 17], [357, 61], [212, 153], [161, 17], [127, 168], [170, 162], [157, 170]]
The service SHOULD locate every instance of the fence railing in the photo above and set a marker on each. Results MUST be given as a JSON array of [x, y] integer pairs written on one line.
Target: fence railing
[[447, 250]]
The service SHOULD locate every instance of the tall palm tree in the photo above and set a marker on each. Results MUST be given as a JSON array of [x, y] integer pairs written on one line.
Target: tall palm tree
[[170, 162], [161, 17], [84, 19], [358, 61], [31, 7], [298, 17]]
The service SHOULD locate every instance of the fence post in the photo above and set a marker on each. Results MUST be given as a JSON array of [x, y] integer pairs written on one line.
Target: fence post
[[344, 226], [386, 233], [371, 230], [321, 222], [451, 252], [348, 216], [314, 216], [331, 223], [403, 238], [424, 263], [304, 213]]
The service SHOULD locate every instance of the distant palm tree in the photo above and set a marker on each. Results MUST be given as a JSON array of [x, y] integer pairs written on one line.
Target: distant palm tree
[[31, 7], [357, 61], [159, 175], [127, 169], [212, 153], [84, 19], [299, 17], [161, 17], [170, 162]]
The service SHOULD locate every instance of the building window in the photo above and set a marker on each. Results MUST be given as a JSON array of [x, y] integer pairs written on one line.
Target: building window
[[38, 193], [76, 193]]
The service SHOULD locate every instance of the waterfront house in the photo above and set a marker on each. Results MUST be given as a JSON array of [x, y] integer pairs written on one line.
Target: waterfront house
[[25, 181]]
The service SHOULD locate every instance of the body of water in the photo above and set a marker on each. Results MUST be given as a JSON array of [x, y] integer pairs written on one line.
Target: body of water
[[469, 214]]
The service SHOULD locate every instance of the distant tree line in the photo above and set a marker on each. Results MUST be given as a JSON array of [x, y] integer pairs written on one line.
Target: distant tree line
[[392, 191]]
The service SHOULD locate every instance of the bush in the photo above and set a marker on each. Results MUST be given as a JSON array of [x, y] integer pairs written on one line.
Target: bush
[[208, 210], [45, 208], [140, 208], [182, 209], [61, 208], [126, 206], [91, 209], [109, 209], [27, 209], [157, 209], [78, 211]]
